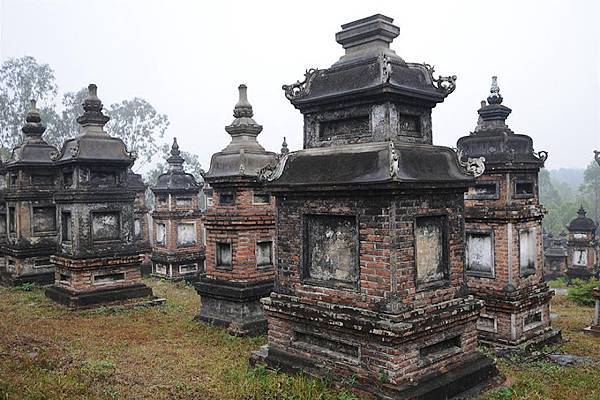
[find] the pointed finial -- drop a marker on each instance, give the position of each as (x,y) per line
(175,161)
(284,147)
(92,109)
(33,122)
(243,108)
(175,148)
(581,212)
(495,97)
(243,124)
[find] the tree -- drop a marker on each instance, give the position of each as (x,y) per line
(139,125)
(590,188)
(548,193)
(135,121)
(192,165)
(23,79)
(64,126)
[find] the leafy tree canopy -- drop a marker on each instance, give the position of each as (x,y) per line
(22,79)
(135,121)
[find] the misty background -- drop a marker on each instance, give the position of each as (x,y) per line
(187,58)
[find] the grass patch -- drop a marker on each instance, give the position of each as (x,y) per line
(47,352)
(581,291)
(558,283)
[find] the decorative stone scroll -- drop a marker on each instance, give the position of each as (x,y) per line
(474,166)
(299,89)
(446,84)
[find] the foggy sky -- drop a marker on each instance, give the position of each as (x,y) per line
(188,57)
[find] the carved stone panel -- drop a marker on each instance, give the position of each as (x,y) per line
(106,225)
(409,125)
(527,251)
(102,179)
(580,257)
(484,190)
(480,254)
(352,126)
(137,229)
(161,232)
(44,219)
(224,256)
(186,234)
(331,250)
(264,253)
(431,250)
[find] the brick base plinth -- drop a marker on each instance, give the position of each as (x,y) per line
(146,268)
(420,354)
(521,318)
(471,376)
(579,272)
(234,306)
(98,297)
(89,282)
(46,278)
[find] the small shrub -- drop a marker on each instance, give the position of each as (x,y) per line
(580,292)
(24,287)
(558,283)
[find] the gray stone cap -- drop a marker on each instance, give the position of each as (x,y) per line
(494,140)
(243,156)
(176,179)
(33,150)
(370,71)
(135,181)
(369,164)
(370,35)
(94,144)
(582,223)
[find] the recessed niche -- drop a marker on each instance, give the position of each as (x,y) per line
(331,250)
(480,254)
(106,225)
(431,250)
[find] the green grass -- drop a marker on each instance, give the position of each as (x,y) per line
(47,352)
(558,283)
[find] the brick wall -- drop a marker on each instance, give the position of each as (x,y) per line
(387,255)
(241,224)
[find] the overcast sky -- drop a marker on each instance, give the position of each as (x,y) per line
(188,57)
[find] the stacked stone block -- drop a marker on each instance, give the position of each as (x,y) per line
(31,218)
(240,230)
(178,249)
(97,260)
(503,224)
(370,286)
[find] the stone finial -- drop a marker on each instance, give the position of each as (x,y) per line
(33,127)
(175,161)
(243,108)
(243,124)
(284,147)
(581,212)
(376,31)
(92,107)
(495,97)
(494,113)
